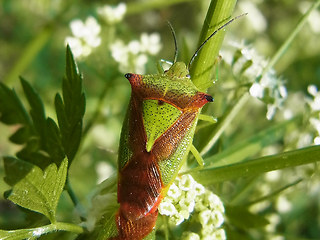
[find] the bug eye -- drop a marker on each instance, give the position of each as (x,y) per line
(188,76)
(128,75)
(209,98)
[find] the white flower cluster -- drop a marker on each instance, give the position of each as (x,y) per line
(186,196)
(250,65)
(85,36)
(133,57)
(112,14)
(315,111)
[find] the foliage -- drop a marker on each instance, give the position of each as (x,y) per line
(53,145)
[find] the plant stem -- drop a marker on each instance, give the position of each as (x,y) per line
(275,193)
(33,233)
(74,199)
(201,69)
(69,227)
(257,166)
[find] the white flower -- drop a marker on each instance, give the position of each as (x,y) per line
(271,110)
(283,91)
(141,61)
(219,234)
(199,189)
(150,43)
(186,196)
(273,176)
(112,14)
(204,217)
(256,90)
(315,103)
(134,47)
(186,182)
(119,51)
(167,208)
(104,170)
(133,57)
(77,47)
(315,122)
(190,236)
(245,62)
(176,219)
(274,220)
(174,192)
(217,218)
(283,205)
(213,201)
(312,89)
(85,36)
(187,204)
(85,29)
(316,140)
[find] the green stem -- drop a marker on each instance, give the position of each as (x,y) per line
(275,193)
(32,233)
(257,166)
(69,227)
(74,199)
(276,57)
(201,69)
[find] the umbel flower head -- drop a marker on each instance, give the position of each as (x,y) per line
(85,36)
(185,197)
(248,64)
(133,56)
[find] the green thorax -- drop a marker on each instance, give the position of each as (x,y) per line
(160,112)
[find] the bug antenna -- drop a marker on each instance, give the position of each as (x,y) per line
(175,43)
(212,34)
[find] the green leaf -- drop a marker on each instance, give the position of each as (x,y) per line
(55,148)
(15,170)
(35,134)
(210,175)
(71,108)
(21,136)
(37,111)
(40,191)
(12,110)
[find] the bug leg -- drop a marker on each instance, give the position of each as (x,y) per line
(207,118)
(197,156)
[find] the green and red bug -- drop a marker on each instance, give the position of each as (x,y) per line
(156,138)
